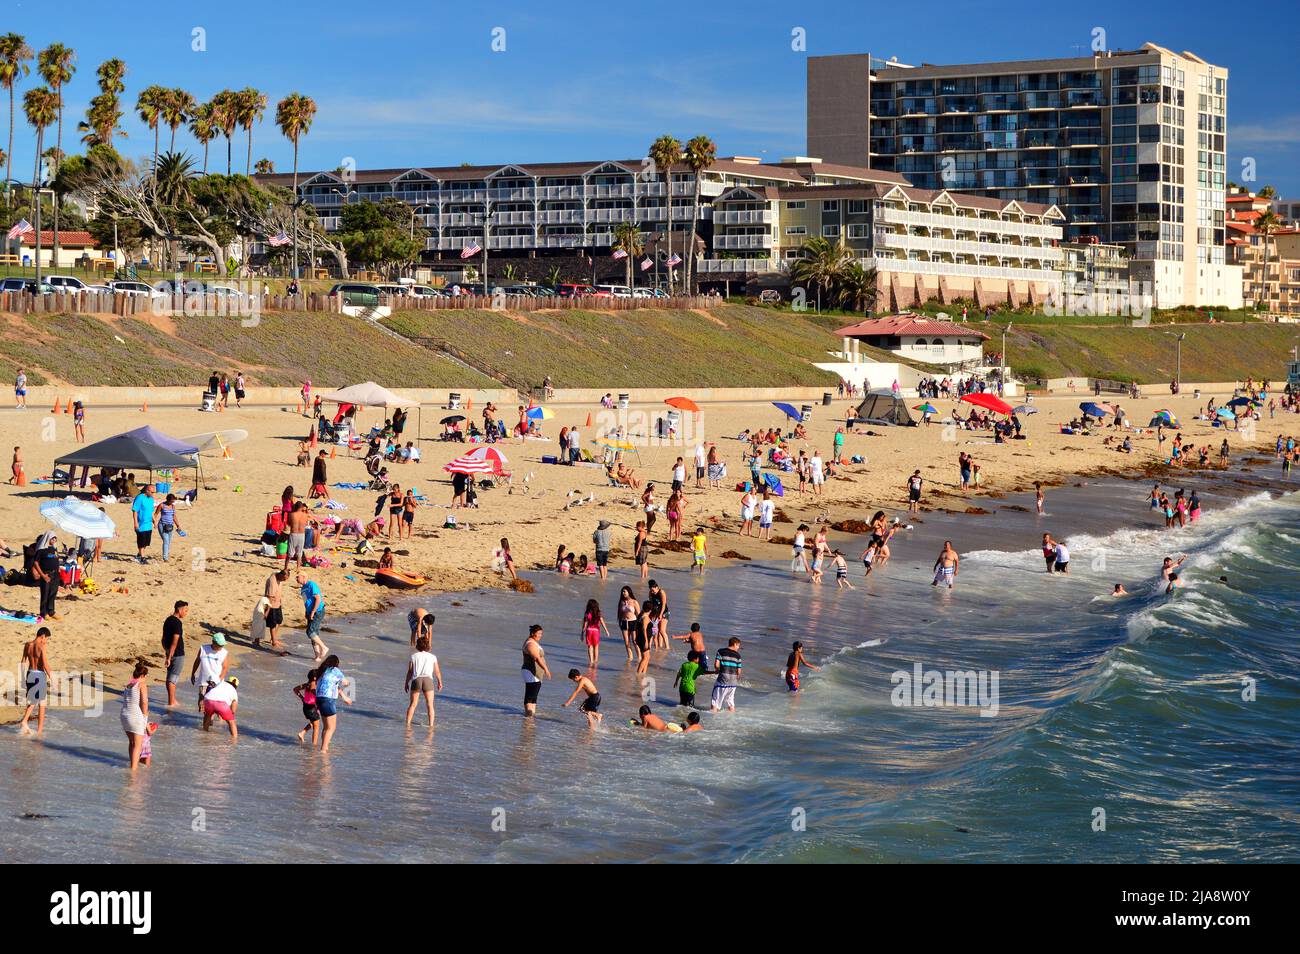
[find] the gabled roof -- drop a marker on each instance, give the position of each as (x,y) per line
(908,323)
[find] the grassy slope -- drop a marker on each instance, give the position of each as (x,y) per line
(1219,352)
(729,346)
(280,351)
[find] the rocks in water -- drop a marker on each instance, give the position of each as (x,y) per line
(522,586)
(733,555)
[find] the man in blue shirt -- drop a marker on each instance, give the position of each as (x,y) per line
(142,508)
(313,601)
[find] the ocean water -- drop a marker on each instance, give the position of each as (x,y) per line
(1172,719)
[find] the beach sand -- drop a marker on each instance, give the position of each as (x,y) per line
(219,570)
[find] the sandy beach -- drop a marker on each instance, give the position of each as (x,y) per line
(219,570)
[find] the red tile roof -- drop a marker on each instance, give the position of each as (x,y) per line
(67,239)
(908,324)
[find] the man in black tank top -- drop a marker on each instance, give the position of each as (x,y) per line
(534,668)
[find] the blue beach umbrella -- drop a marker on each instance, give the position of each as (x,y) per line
(1240,402)
(1092,409)
(788,410)
(1224,412)
(774,484)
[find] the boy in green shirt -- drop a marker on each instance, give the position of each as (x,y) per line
(685,680)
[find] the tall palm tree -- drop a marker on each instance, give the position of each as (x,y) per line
(42,108)
(149,106)
(264,167)
(177,105)
(628,237)
(1266,224)
(699,155)
(56,65)
(14,54)
(666,153)
(105,113)
(225,116)
(294,115)
(250,106)
(203,129)
(855,290)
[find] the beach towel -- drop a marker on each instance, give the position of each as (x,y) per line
(350,485)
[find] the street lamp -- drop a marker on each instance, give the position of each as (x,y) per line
(1178,368)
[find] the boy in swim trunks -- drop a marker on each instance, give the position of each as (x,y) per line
(792,664)
(591,705)
(841,571)
(685,679)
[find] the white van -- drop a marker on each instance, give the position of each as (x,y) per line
(66,283)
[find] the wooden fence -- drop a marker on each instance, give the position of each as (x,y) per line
(121,303)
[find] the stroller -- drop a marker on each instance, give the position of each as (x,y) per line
(378,473)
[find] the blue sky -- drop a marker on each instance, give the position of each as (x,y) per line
(404,83)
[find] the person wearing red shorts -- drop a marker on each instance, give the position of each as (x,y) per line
(222,701)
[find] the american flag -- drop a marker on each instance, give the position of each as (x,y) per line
(646,263)
(21,228)
(619,253)
(278,239)
(470,250)
(673,259)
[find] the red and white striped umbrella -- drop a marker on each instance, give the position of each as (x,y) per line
(481,460)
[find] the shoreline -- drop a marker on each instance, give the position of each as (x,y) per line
(457,561)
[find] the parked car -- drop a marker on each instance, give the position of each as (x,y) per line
(65,283)
(26,285)
(356,293)
(616,291)
(642,293)
(393,289)
(183,286)
(424,291)
(139,289)
(572,290)
(224,291)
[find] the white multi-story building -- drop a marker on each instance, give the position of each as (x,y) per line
(1131,145)
(924,244)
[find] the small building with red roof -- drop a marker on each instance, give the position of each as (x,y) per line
(916,337)
(74,244)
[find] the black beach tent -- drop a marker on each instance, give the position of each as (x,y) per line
(124,453)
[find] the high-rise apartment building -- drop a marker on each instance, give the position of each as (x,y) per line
(1130,145)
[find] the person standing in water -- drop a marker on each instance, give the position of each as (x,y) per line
(36,680)
(329,683)
(422,674)
(591,705)
(534,669)
(945,567)
(592,624)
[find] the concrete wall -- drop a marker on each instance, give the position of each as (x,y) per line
(44,396)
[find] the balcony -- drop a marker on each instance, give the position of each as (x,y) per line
(560,217)
(715,266)
(922,243)
(911,267)
(935,220)
(756,217)
(742,241)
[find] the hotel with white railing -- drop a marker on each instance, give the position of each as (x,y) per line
(554,209)
(923,244)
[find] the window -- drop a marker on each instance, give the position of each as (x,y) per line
(797,204)
(830,231)
(857,206)
(796,230)
(831,205)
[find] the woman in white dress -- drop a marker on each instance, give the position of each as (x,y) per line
(135,712)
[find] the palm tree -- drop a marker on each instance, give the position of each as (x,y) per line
(14,54)
(250,106)
(666,153)
(264,167)
(177,105)
(822,263)
(699,155)
(628,237)
(1267,224)
(104,115)
(856,288)
(56,67)
(225,116)
(1268,192)
(42,108)
(149,106)
(293,115)
(203,129)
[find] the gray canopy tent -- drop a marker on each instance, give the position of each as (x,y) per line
(124,452)
(881,407)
